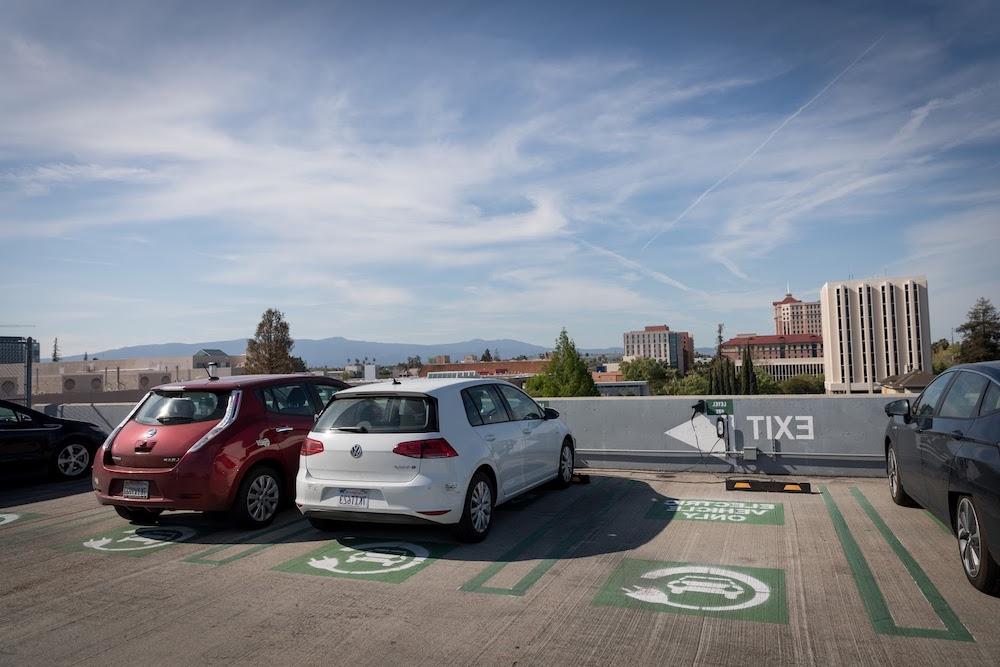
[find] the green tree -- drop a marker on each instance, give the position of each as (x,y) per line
(566,373)
(55,351)
(981,333)
(414,362)
(765,383)
(802,384)
(692,384)
(644,369)
(269,351)
(486,356)
(748,379)
(86,356)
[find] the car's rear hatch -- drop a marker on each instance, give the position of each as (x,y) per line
(166,426)
(359,434)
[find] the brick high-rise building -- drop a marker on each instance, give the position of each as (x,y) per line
(792,316)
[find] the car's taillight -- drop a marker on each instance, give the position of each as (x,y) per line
(310,447)
(435,448)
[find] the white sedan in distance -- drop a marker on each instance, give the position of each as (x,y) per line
(446,451)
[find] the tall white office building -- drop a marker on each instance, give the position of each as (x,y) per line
(873,329)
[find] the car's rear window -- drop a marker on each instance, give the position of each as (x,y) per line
(379,414)
(182,407)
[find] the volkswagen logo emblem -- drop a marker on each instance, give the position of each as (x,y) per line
(356,451)
(150,433)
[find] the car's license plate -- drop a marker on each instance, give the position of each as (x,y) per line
(133,489)
(356,498)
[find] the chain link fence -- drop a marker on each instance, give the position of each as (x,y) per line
(18,357)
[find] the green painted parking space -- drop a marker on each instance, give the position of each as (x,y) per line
(722,511)
(697,589)
(134,542)
(874,601)
(479,583)
(252,544)
(377,559)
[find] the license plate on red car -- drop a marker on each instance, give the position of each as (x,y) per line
(135,489)
(356,498)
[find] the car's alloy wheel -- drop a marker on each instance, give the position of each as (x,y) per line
(970,544)
(896,488)
(566,462)
(262,498)
(72,460)
(981,567)
(481,506)
(477,512)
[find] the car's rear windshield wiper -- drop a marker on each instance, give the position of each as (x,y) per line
(174,420)
(352,429)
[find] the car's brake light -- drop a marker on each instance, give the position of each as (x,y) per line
(310,447)
(435,448)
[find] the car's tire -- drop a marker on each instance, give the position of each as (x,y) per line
(564,473)
(139,515)
(258,499)
(71,460)
(980,566)
(325,525)
(478,510)
(896,490)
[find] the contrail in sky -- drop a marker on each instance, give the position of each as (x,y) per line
(762,144)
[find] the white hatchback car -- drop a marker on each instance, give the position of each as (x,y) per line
(444,451)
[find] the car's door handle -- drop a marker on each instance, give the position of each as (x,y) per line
(284,429)
(958,435)
(489,438)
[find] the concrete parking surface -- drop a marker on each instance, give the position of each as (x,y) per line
(632,568)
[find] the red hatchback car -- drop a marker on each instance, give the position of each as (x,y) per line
(224,444)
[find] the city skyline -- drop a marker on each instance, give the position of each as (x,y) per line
(440,174)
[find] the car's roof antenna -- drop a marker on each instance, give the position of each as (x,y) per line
(213,370)
(396,381)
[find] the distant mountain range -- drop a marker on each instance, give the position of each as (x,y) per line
(337,351)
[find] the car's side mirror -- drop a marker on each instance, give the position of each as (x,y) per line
(551,414)
(900,408)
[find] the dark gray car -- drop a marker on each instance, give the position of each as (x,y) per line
(943,452)
(31,439)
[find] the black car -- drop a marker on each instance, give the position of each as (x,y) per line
(943,452)
(30,438)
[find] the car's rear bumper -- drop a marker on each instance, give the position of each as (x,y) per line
(421,499)
(177,488)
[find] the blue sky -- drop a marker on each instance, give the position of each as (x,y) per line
(407,173)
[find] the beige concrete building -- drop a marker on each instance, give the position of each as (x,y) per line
(676,348)
(792,317)
(873,329)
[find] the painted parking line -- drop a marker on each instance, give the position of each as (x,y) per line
(274,536)
(698,589)
(8,519)
(725,511)
(134,542)
(871,595)
(370,558)
(941,524)
(478,583)
(41,526)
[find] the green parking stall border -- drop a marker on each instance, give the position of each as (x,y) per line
(757,594)
(871,595)
(477,584)
(941,524)
(335,559)
(41,526)
(773,515)
(204,557)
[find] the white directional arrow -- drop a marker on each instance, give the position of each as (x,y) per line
(700,434)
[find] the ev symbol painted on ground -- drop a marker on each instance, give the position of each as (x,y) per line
(372,558)
(139,541)
(367,558)
(756,594)
(8,518)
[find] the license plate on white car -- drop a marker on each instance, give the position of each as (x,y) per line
(133,489)
(353,498)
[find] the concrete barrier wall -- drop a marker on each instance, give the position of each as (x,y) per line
(819,435)
(811,435)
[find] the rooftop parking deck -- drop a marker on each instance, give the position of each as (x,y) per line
(630,568)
